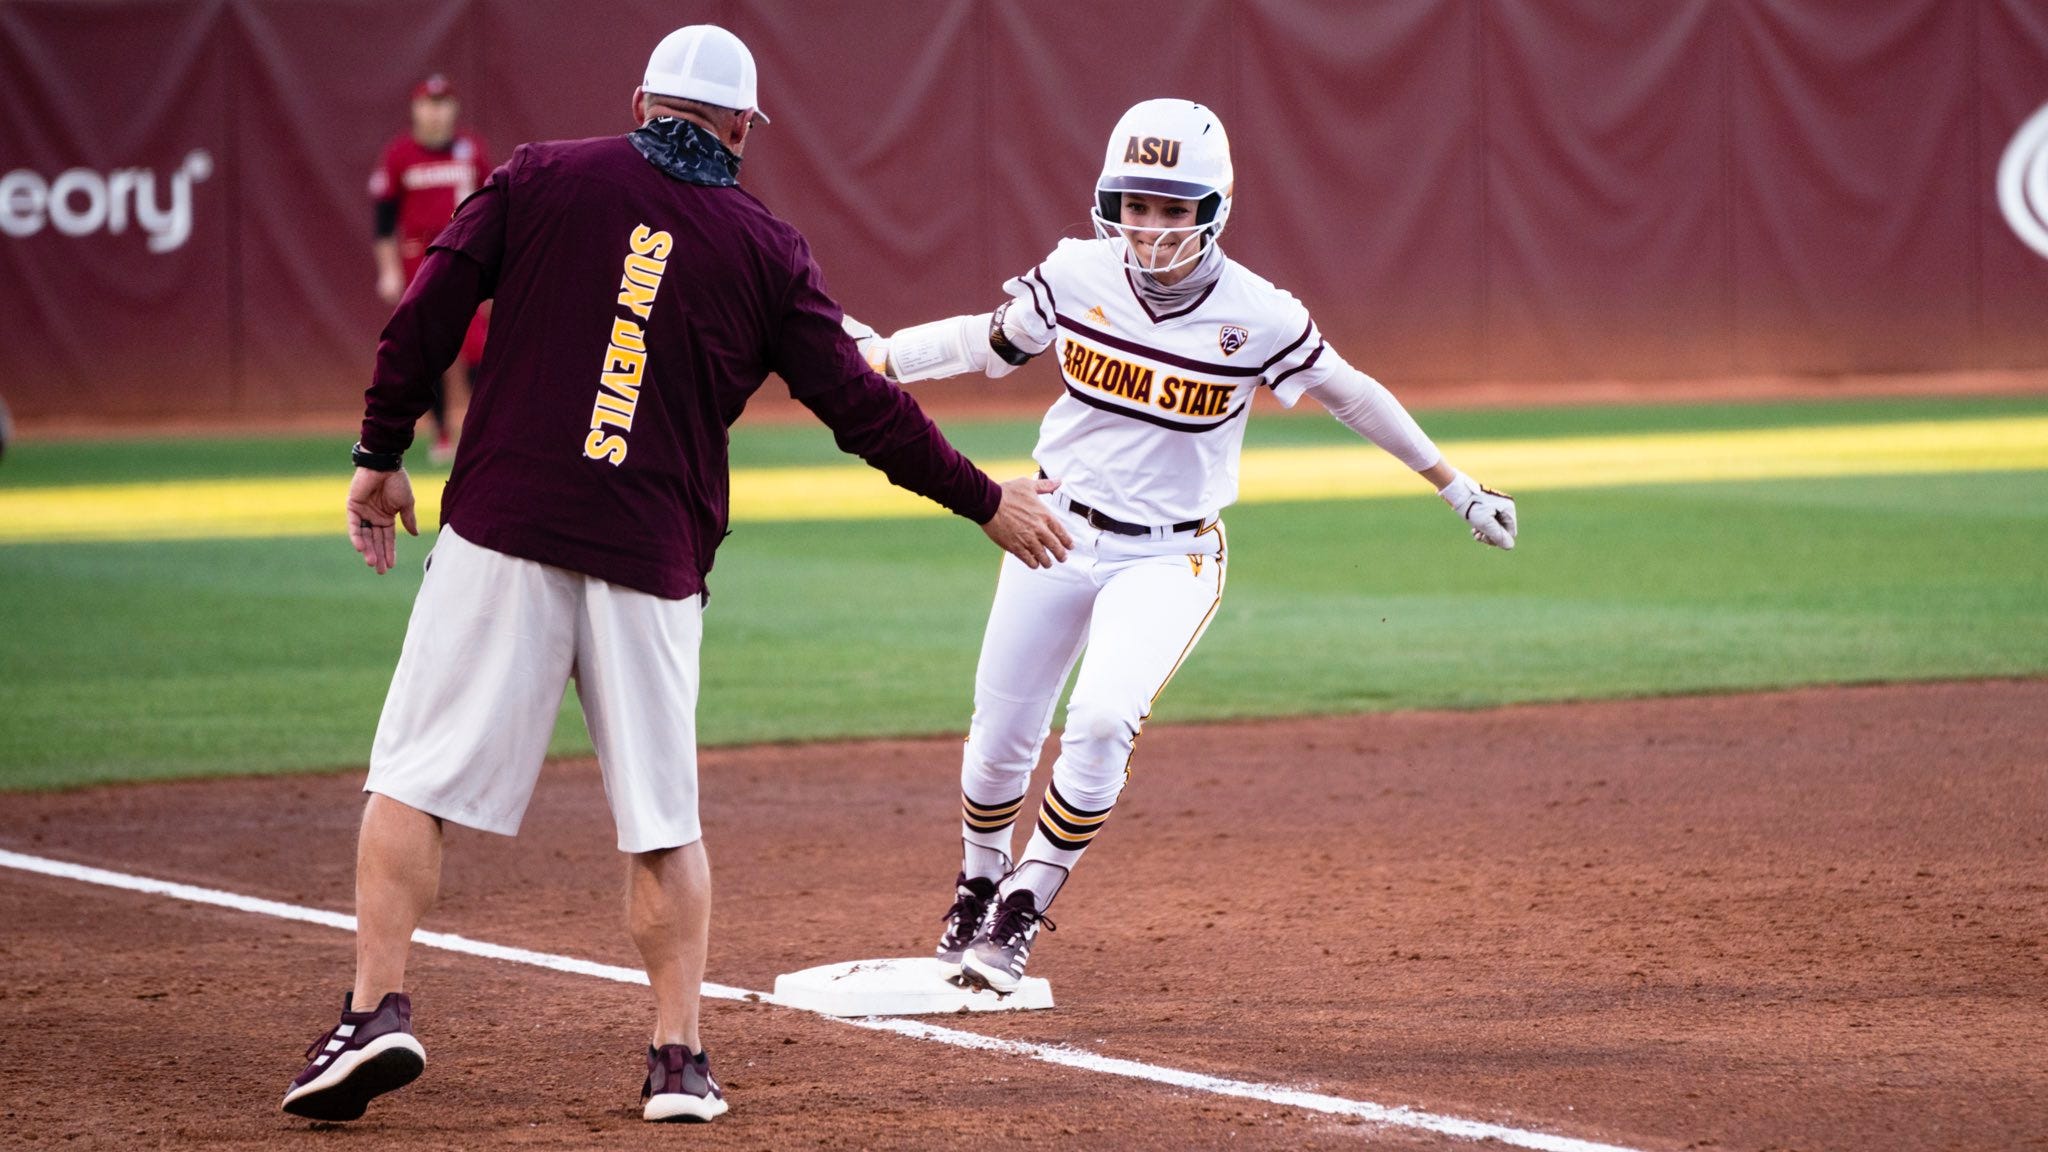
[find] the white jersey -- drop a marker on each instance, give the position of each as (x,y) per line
(1151,425)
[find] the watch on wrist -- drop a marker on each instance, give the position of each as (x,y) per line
(376,461)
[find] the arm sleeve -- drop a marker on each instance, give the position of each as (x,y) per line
(425,333)
(945,348)
(384,192)
(869,417)
(1364,405)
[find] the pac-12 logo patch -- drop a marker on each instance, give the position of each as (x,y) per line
(1231,338)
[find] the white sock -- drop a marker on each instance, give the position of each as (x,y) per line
(1041,877)
(983,862)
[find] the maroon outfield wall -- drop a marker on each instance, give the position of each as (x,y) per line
(1461,189)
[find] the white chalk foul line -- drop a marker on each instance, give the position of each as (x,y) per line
(1054,1054)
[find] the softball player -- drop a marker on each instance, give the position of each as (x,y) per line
(1161,341)
(422,175)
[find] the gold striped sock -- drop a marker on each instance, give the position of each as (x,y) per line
(989,817)
(1068,827)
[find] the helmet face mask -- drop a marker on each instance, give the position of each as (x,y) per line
(1164,246)
(1171,149)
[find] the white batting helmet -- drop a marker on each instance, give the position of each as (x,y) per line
(1171,148)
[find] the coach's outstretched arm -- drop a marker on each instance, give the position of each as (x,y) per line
(879,422)
(1364,405)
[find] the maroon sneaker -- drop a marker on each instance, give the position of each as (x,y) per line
(679,1086)
(364,1056)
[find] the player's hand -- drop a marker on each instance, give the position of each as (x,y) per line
(390,286)
(1491,514)
(377,502)
(875,350)
(874,347)
(1025,528)
(1020,328)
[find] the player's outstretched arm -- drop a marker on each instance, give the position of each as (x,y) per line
(1490,514)
(992,343)
(1364,405)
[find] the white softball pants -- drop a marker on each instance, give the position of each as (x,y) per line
(1137,606)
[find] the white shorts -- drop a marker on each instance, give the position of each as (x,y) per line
(492,644)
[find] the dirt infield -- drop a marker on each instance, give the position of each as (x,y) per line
(1805,920)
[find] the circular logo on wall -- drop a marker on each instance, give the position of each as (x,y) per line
(2023,182)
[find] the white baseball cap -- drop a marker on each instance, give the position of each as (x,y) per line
(704,62)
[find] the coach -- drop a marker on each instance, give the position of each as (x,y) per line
(640,299)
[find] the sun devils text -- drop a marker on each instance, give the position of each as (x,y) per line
(625,358)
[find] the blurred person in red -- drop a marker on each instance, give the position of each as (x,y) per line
(423,174)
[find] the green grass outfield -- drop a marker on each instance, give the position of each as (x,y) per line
(139,660)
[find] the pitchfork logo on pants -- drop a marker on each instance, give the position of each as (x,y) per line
(2023,182)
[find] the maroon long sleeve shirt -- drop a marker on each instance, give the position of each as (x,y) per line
(635,314)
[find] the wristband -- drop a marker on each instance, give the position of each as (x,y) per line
(999,340)
(376,461)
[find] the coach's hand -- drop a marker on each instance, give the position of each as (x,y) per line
(1025,528)
(377,501)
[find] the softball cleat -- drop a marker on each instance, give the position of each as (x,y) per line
(964,920)
(996,958)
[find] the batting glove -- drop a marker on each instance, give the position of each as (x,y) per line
(1491,514)
(1020,329)
(874,348)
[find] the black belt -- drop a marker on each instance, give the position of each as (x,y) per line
(1112,524)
